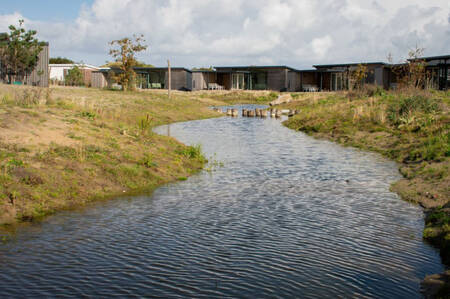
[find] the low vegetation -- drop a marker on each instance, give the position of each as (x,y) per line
(239,97)
(409,126)
(64,147)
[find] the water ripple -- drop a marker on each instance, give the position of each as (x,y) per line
(287,216)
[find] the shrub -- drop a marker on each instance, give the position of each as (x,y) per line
(192,152)
(74,77)
(147,161)
(403,109)
(29,97)
(88,114)
(145,123)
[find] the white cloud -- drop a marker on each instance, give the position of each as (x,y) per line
(320,46)
(299,33)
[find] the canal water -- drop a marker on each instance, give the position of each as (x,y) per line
(285,216)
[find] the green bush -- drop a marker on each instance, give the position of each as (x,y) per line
(400,111)
(74,77)
(147,161)
(88,114)
(192,152)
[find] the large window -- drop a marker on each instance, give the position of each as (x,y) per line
(238,81)
(259,80)
(157,79)
(336,81)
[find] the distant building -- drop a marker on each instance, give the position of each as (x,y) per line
(279,78)
(438,68)
(58,72)
(338,76)
(148,78)
(325,77)
(38,77)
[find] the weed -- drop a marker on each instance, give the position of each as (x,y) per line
(15,163)
(144,123)
(147,161)
(401,112)
(192,152)
(88,114)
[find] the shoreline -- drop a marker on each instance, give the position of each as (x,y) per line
(66,147)
(321,118)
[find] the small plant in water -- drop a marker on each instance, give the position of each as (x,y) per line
(213,164)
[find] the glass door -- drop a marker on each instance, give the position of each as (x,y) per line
(238,81)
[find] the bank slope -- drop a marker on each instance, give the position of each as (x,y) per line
(63,147)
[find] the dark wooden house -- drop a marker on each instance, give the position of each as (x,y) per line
(438,71)
(277,78)
(334,77)
(148,78)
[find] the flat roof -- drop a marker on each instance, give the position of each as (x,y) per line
(308,71)
(203,71)
(140,68)
(346,64)
(256,67)
(105,70)
(444,57)
(73,64)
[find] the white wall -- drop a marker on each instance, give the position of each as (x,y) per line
(57,70)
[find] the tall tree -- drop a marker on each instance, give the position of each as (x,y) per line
(60,60)
(124,53)
(19,52)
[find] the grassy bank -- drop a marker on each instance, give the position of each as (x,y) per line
(410,127)
(261,97)
(63,147)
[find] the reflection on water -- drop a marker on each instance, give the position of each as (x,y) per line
(286,216)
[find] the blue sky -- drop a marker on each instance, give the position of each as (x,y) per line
(201,33)
(50,10)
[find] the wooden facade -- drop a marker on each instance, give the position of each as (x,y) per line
(39,76)
(331,77)
(147,78)
(277,78)
(204,79)
(335,77)
(99,79)
(438,71)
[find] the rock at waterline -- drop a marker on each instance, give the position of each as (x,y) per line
(285,98)
(432,284)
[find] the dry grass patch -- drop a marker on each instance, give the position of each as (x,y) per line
(63,147)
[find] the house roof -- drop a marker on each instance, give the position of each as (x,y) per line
(250,67)
(203,71)
(80,65)
(161,69)
(308,71)
(143,69)
(441,57)
(347,64)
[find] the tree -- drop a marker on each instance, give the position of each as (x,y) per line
(124,52)
(412,73)
(416,67)
(359,75)
(19,51)
(60,60)
(74,77)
